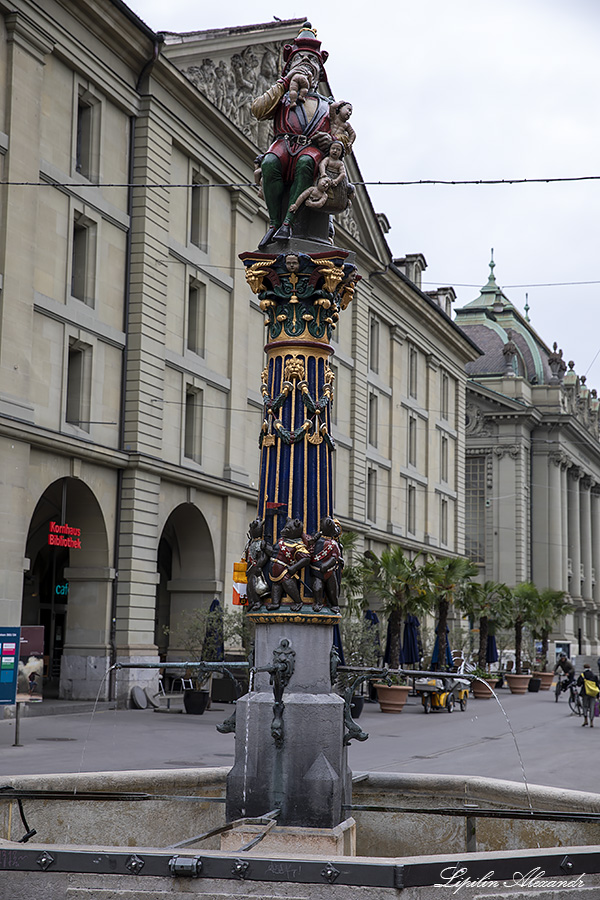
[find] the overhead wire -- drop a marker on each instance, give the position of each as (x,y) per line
(228,184)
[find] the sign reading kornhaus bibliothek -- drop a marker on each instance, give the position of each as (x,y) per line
(64,536)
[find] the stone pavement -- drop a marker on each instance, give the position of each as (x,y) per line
(553,746)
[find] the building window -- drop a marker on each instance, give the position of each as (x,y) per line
(199,211)
(83,259)
(412,441)
(372,495)
(444,522)
(373,419)
(196,316)
(445,396)
(374,345)
(79,382)
(475,508)
(412,372)
(87,138)
(411,510)
(192,442)
(444,459)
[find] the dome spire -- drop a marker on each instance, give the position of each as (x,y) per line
(491,285)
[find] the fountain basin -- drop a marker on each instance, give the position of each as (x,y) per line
(164,819)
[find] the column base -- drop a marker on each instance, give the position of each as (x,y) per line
(285,841)
(306,777)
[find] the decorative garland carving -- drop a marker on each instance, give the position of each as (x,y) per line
(300,294)
(512,450)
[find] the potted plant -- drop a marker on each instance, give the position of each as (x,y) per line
(548,607)
(446,579)
(398,582)
(481,686)
(201,638)
(362,648)
(480,601)
(517,608)
(392,696)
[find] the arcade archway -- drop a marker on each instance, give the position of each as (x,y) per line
(186,569)
(67,547)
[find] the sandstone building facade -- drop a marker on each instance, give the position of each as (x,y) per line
(131,347)
(532,486)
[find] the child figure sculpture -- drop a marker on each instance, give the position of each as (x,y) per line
(339,114)
(291,554)
(315,197)
(332,165)
(326,564)
(257,556)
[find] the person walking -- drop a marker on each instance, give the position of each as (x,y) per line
(589,689)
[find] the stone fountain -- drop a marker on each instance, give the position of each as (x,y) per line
(290,748)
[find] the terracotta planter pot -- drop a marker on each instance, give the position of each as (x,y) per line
(518,684)
(392,697)
(546,678)
(482,690)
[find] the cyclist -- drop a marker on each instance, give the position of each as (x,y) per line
(567,667)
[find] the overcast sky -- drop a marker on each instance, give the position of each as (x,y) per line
(459,91)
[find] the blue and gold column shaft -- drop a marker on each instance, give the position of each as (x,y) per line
(301,295)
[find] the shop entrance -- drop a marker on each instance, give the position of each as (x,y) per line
(64,532)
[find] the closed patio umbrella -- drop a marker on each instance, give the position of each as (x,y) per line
(337,643)
(491,651)
(410,644)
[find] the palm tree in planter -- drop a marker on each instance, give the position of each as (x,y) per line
(352,588)
(517,608)
(548,607)
(482,602)
(446,579)
(397,580)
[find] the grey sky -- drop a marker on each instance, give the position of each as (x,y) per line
(467,90)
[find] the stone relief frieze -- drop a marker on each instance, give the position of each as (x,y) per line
(475,423)
(232,83)
(346,220)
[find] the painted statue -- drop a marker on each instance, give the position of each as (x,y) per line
(315,197)
(257,556)
(301,118)
(339,114)
(290,554)
(332,165)
(326,565)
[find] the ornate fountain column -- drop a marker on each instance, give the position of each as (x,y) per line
(291,729)
(301,295)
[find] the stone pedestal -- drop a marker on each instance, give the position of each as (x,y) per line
(305,774)
(338,841)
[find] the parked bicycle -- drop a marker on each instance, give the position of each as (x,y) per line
(566,685)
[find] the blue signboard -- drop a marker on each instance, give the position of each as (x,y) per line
(9,664)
